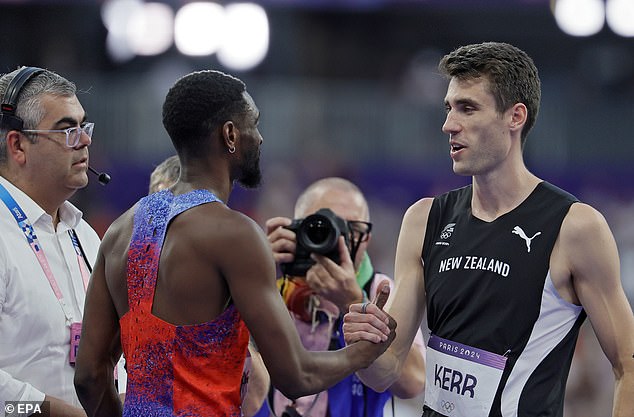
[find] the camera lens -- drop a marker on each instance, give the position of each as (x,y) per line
(318,234)
(318,231)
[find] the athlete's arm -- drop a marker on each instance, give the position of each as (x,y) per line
(411,382)
(592,258)
(406,305)
(100,346)
(246,263)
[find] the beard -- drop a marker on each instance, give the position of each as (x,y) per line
(251,173)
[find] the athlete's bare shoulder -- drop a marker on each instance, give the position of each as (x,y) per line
(581,220)
(117,237)
(418,213)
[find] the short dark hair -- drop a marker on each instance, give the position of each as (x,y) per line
(199,103)
(29,104)
(512,75)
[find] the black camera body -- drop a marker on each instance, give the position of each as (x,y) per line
(316,233)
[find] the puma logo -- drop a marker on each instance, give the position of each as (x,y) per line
(518,231)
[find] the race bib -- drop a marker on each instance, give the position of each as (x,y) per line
(461,380)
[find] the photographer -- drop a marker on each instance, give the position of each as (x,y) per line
(318,288)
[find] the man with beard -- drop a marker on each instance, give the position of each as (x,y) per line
(181,279)
(256,377)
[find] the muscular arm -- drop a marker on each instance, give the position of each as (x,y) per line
(293,370)
(591,257)
(100,347)
(411,382)
(406,305)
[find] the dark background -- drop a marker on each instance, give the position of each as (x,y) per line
(350,88)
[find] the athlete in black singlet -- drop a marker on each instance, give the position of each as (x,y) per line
(507,268)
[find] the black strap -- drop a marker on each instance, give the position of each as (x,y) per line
(81,249)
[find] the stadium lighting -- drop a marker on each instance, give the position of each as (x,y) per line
(150,29)
(580,17)
(620,17)
(199,28)
(247,40)
(115,15)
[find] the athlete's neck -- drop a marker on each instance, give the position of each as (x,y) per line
(493,198)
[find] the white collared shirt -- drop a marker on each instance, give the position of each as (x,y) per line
(34,333)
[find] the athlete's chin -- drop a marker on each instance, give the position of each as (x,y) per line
(460,169)
(251,181)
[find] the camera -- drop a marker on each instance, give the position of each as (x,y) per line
(317,233)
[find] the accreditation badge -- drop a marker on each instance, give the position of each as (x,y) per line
(461,380)
(75,336)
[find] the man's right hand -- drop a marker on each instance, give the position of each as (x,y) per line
(282,240)
(368,321)
(377,326)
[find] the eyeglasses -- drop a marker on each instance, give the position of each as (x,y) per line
(359,230)
(73,134)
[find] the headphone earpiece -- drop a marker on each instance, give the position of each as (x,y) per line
(8,119)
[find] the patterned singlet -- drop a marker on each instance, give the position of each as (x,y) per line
(191,370)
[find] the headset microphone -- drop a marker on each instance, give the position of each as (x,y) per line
(102,177)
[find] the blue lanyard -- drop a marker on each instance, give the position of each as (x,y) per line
(31,238)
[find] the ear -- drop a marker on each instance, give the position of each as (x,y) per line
(230,135)
(16,142)
(518,114)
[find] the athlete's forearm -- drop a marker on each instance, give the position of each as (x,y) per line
(624,395)
(382,373)
(96,392)
(411,381)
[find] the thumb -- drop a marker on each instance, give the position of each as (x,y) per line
(382,294)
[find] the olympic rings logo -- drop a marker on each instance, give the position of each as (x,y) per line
(447,406)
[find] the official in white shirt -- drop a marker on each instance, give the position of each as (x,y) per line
(44,139)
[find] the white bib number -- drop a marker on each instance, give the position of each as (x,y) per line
(461,380)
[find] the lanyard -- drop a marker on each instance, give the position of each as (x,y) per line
(32,240)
